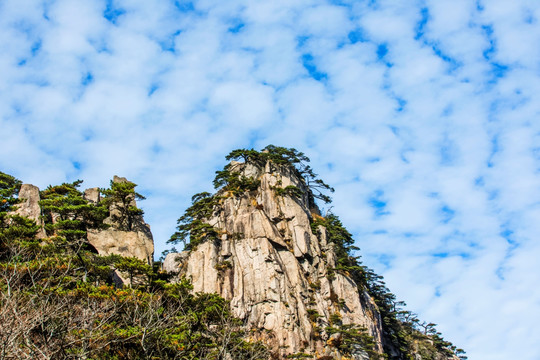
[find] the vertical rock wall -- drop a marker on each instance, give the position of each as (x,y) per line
(274,270)
(29,206)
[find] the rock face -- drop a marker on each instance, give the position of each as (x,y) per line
(126,243)
(137,243)
(29,207)
(275,270)
(92,195)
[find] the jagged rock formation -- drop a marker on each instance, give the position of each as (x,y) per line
(136,242)
(275,271)
(29,206)
(259,242)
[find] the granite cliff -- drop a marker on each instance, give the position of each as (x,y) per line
(274,269)
(261,243)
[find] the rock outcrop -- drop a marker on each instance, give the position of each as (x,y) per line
(134,242)
(29,206)
(276,273)
(137,242)
(126,243)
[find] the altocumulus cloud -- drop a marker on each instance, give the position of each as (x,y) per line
(422,114)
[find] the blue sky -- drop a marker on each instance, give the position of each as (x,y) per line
(422,114)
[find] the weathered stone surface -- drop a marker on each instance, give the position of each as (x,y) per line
(92,195)
(126,243)
(172,262)
(273,269)
(119,179)
(29,207)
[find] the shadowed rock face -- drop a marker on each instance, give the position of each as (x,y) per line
(274,270)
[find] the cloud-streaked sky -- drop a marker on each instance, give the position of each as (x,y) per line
(422,114)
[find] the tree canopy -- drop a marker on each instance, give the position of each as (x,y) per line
(58,301)
(120,198)
(278,155)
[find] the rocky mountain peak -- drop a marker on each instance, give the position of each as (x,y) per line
(289,273)
(275,266)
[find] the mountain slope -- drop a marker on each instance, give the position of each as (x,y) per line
(288,272)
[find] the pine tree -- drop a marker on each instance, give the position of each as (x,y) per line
(120,198)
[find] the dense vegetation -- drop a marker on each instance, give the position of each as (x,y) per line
(58,299)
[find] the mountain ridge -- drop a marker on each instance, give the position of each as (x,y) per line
(263,274)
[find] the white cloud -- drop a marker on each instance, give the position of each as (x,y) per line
(429,108)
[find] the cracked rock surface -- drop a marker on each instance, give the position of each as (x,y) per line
(274,270)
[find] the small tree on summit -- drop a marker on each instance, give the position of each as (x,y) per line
(280,156)
(120,198)
(66,213)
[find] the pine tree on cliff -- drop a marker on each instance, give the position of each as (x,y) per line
(9,189)
(289,157)
(121,197)
(68,214)
(12,226)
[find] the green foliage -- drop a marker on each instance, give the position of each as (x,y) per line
(354,338)
(66,213)
(56,303)
(12,226)
(313,315)
(121,197)
(134,267)
(9,189)
(335,319)
(299,355)
(339,236)
(17,227)
(281,156)
(402,329)
(234,182)
(277,154)
(191,229)
(289,190)
(223,265)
